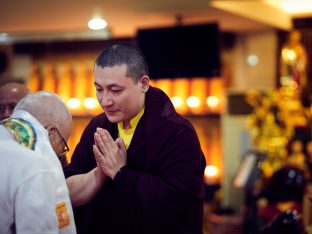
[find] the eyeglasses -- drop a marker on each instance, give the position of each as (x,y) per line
(66,148)
(7,106)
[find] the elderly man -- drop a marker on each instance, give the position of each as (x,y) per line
(10,94)
(33,191)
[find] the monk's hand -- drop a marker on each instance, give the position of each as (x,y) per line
(110,155)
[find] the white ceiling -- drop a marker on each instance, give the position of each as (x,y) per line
(36,18)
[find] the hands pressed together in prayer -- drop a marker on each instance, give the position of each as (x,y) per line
(110,155)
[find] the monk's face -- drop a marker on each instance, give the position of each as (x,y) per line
(119,95)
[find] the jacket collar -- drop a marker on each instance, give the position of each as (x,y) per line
(157,107)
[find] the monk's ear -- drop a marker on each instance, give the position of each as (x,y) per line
(144,82)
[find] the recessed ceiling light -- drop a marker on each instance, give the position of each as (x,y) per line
(252,60)
(3,37)
(292,6)
(297,7)
(97,24)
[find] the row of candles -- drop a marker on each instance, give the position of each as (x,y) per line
(74,83)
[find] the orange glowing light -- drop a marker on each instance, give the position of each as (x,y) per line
(212,101)
(90,103)
(177,101)
(193,102)
(73,103)
(212,174)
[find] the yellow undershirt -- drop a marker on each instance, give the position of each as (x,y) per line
(127,134)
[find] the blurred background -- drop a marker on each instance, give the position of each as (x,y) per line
(240,71)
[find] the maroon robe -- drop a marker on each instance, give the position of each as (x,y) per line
(160,190)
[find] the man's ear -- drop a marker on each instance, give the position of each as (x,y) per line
(51,131)
(49,128)
(144,81)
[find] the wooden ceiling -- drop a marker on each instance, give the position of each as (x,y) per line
(35,18)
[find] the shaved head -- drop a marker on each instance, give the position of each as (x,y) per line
(10,94)
(47,108)
(51,111)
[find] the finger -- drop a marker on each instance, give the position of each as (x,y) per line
(100,161)
(96,153)
(121,145)
(108,135)
(102,136)
(105,149)
(111,140)
(107,139)
(99,158)
(101,146)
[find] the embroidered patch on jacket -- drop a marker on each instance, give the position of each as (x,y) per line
(22,131)
(62,214)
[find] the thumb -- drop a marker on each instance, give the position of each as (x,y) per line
(121,145)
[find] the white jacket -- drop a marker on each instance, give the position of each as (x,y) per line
(42,147)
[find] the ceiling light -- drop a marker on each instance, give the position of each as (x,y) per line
(296,7)
(252,60)
(292,6)
(97,23)
(3,37)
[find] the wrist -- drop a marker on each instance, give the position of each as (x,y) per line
(120,170)
(99,175)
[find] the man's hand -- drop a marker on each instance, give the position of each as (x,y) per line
(98,171)
(110,155)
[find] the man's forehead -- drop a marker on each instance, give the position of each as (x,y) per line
(123,68)
(13,95)
(8,101)
(13,91)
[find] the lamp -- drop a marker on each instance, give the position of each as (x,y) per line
(97,22)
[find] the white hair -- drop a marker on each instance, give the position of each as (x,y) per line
(47,108)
